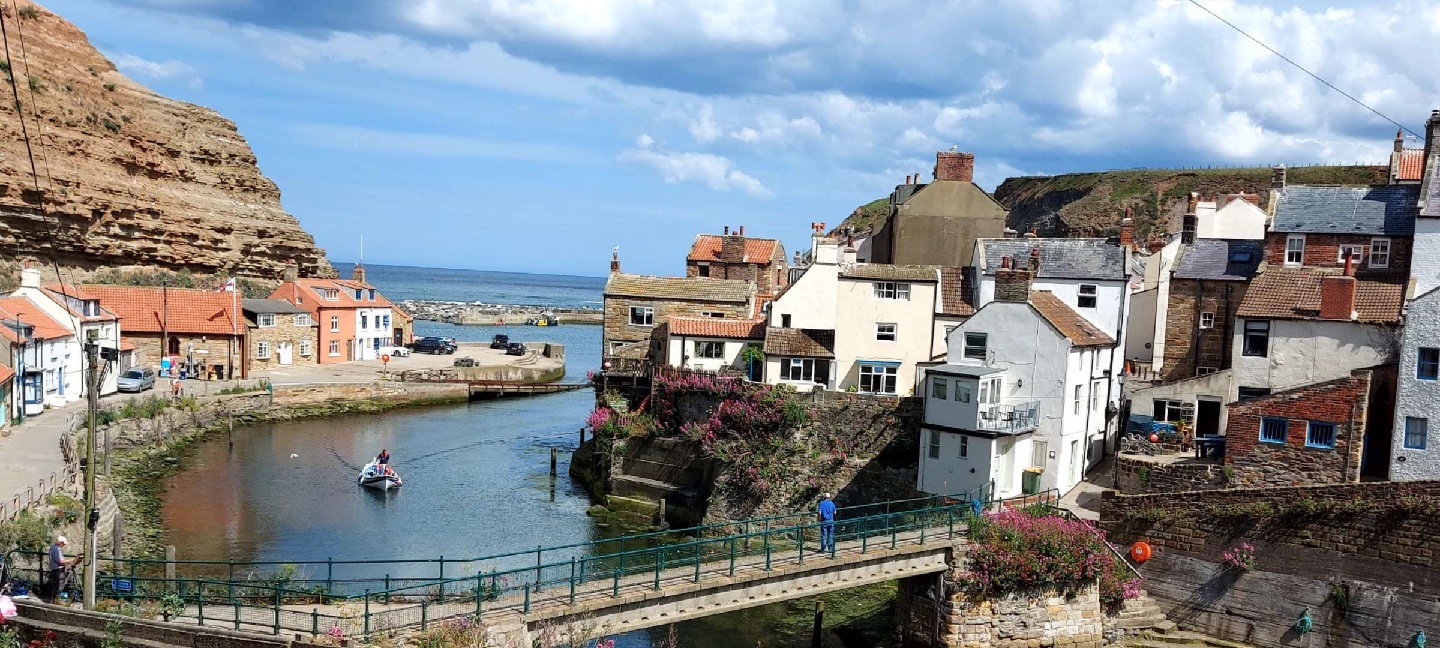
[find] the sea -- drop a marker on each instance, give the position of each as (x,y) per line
(399,283)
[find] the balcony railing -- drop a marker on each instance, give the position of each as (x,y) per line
(1009,419)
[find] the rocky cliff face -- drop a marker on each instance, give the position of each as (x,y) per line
(128,178)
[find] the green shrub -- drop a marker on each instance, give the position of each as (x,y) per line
(27,531)
(70,509)
(35,83)
(109,87)
(29,12)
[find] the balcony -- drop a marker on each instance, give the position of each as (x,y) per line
(1009,419)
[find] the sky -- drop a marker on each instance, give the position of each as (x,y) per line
(535,135)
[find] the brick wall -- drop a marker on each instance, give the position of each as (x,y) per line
(1379,542)
(1344,402)
(763,274)
(1139,474)
(1323,251)
(1187,346)
(617,315)
(284,330)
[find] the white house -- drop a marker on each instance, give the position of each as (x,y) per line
(1232,216)
(41,354)
(81,314)
(1425,260)
(372,329)
(1412,455)
(853,326)
(714,344)
(1033,391)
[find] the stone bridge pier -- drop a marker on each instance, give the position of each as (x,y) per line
(932,611)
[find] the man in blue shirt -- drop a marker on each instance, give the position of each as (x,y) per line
(59,567)
(827,524)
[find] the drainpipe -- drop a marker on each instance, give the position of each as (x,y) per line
(1229,321)
(1195,332)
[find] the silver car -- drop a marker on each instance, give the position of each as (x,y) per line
(136,380)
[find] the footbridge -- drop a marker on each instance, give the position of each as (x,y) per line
(589,589)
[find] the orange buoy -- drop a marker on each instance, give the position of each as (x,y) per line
(1140,551)
(1154,438)
(385,357)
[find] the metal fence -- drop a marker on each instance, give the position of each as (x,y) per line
(63,480)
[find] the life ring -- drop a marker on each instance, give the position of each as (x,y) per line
(1140,551)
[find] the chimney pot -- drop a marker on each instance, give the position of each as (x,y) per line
(907,180)
(727,230)
(742,230)
(1399,140)
(1035,260)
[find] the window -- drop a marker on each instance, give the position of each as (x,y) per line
(1095,397)
(975,346)
(964,447)
(332,294)
(1207,320)
(1380,253)
(305,349)
(1350,251)
(702,269)
(1274,430)
(962,393)
(359,294)
(1078,398)
(1257,338)
(1205,371)
(892,290)
(334,348)
(642,316)
(303,319)
(885,332)
(1252,393)
(364,321)
(1087,296)
(262,350)
(984,391)
(1428,364)
(1295,249)
(934,444)
(711,314)
(1240,256)
(1171,411)
(939,388)
(805,370)
(265,320)
(371,294)
(385,320)
(708,349)
(1415,432)
(950,329)
(334,323)
(785,321)
(1320,435)
(878,379)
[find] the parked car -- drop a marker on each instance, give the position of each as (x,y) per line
(136,380)
(515,348)
(393,351)
(433,345)
(500,342)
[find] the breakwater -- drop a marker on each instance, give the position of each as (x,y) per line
(476,313)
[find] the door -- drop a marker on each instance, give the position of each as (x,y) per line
(282,352)
(1076,461)
(1007,467)
(1207,418)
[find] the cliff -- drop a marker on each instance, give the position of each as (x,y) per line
(129,179)
(1092,204)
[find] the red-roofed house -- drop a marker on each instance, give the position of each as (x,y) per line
(714,344)
(199,330)
(1407,165)
(41,351)
(735,256)
(81,314)
(354,319)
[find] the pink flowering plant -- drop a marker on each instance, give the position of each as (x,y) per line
(1026,552)
(1240,557)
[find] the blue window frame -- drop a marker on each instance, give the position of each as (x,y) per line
(1428,364)
(1415,432)
(1320,435)
(1274,430)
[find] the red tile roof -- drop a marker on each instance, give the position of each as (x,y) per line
(46,328)
(1294,293)
(1080,331)
(718,327)
(127,344)
(757,250)
(312,291)
(6,373)
(1411,164)
(179,310)
(955,293)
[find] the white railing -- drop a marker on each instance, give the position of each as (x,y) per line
(1009,418)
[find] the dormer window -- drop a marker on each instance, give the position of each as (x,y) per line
(331,294)
(91,308)
(372,294)
(358,293)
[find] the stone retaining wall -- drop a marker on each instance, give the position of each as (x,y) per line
(78,627)
(385,392)
(1013,621)
(1136,474)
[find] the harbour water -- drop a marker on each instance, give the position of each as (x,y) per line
(476,482)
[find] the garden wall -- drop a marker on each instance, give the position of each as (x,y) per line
(1361,558)
(1139,474)
(1013,621)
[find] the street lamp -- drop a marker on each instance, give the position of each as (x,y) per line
(19,362)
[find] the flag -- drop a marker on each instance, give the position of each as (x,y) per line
(229,286)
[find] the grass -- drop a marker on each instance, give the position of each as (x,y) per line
(29,12)
(35,84)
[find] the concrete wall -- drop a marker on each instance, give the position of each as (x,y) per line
(1425,265)
(810,301)
(1373,542)
(1304,351)
(1418,398)
(1216,387)
(1237,220)
(951,474)
(855,331)
(1140,329)
(943,326)
(939,225)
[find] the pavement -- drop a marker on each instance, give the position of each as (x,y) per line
(1084,499)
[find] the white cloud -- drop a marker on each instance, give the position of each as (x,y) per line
(703,128)
(141,68)
(713,171)
(352,138)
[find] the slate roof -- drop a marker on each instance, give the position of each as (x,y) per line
(757,250)
(1069,323)
(889,272)
(1221,259)
(276,306)
(1294,294)
(1060,258)
(189,311)
(1388,210)
(955,291)
(718,327)
(805,343)
(1410,165)
(678,288)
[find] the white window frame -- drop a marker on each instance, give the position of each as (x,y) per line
(1038,450)
(1207,320)
(715,347)
(647,316)
(964,452)
(1375,253)
(305,349)
(983,347)
(1357,250)
(888,378)
(265,320)
(262,350)
(887,332)
(892,290)
(1298,254)
(1078,401)
(364,321)
(303,319)
(707,313)
(806,370)
(1088,292)
(1174,410)
(1095,396)
(334,348)
(334,323)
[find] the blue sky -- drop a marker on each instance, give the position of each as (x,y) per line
(534,135)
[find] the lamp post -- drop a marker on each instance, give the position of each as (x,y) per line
(20,367)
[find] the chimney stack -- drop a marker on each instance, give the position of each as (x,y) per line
(1033,233)
(1156,243)
(29,277)
(1010,233)
(954,165)
(1399,140)
(1277,176)
(1035,260)
(1337,294)
(1432,133)
(907,180)
(727,231)
(358,274)
(615,261)
(1012,284)
(1189,221)
(1127,230)
(292,270)
(742,230)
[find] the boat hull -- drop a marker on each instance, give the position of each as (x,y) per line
(372,477)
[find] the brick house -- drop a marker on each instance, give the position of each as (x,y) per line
(279,333)
(1315,434)
(735,256)
(199,329)
(354,320)
(637,305)
(1315,226)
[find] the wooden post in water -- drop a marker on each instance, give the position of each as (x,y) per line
(819,617)
(554,459)
(230,427)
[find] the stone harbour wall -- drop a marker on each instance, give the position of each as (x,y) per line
(1013,621)
(381,391)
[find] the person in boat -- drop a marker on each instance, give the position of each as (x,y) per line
(383,459)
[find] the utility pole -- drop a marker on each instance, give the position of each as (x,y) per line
(92,355)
